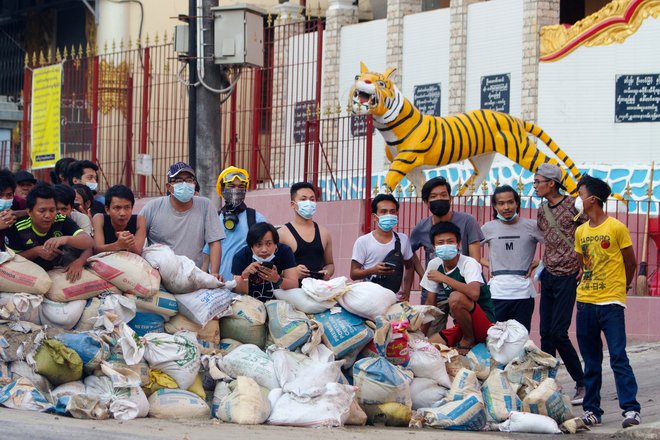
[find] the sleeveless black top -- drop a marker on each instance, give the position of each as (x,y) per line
(309,254)
(109,233)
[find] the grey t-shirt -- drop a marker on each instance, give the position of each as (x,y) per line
(185,232)
(470,233)
(511,247)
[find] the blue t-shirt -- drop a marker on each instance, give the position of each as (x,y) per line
(233,241)
(259,288)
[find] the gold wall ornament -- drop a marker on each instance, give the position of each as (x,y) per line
(614,23)
(113,81)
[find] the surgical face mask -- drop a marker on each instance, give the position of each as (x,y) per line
(439,207)
(579,204)
(183,191)
(262,260)
(5,204)
(446,252)
(233,196)
(507,220)
(387,222)
(306,209)
(92,185)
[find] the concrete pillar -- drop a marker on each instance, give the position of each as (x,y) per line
(396,10)
(536,14)
(114,24)
(458,19)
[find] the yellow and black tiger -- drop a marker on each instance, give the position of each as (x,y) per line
(416,141)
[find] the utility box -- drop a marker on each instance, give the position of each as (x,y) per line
(181,39)
(238,35)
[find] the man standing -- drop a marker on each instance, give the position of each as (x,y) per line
(384,256)
(561,271)
(183,222)
(235,217)
(512,244)
(310,242)
(608,264)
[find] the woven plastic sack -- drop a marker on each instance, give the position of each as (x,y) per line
(129,272)
(88,286)
(18,274)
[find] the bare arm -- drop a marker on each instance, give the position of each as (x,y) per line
(417,264)
(289,279)
(472,289)
(408,277)
(215,253)
(475,250)
(80,241)
(630,263)
(140,235)
(329,264)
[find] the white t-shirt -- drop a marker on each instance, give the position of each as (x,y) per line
(466,266)
(511,287)
(369,252)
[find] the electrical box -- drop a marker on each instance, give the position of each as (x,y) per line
(181,39)
(238,35)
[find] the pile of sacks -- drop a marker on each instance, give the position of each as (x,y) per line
(154,336)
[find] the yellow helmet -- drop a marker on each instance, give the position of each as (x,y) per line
(229,174)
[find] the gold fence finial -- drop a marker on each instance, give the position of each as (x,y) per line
(130,43)
(328,109)
(88,50)
(308,113)
(269,20)
(165,36)
(26,61)
(156,40)
(318,111)
(411,189)
(484,187)
(338,108)
(42,60)
(65,54)
(34,59)
(146,41)
(521,185)
(114,46)
(374,192)
(49,55)
(58,56)
(398,190)
(105,47)
(627,192)
(121,45)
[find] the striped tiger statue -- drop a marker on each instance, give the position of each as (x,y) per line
(416,142)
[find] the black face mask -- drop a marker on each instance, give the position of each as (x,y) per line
(439,207)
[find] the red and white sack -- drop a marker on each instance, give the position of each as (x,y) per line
(88,286)
(18,274)
(129,272)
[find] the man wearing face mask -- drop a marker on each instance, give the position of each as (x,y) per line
(184,222)
(512,244)
(311,243)
(558,218)
(384,256)
(85,172)
(235,217)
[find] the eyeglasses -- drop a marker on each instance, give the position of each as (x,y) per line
(538,182)
(235,175)
(188,180)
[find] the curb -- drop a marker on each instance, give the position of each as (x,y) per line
(650,431)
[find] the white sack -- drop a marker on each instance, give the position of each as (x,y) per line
(179,274)
(506,340)
(302,301)
(248,360)
(530,423)
(244,404)
(129,272)
(368,300)
(322,290)
(331,408)
(63,315)
(426,361)
(176,355)
(88,286)
(203,305)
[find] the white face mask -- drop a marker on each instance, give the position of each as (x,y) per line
(579,204)
(263,260)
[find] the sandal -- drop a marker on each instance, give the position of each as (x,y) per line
(463,350)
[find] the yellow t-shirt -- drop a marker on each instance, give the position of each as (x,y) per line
(604,278)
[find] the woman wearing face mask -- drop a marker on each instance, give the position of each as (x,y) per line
(264,264)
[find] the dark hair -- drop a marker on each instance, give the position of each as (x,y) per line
(429,185)
(121,192)
(40,191)
(504,189)
(61,167)
(64,194)
(7,180)
(77,169)
(301,185)
(383,198)
(257,232)
(443,227)
(596,187)
(84,191)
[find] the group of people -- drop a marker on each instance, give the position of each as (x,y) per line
(587,255)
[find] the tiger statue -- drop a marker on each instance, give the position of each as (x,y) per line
(416,141)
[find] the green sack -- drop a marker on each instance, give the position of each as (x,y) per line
(58,363)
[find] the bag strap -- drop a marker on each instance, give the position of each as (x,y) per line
(397,242)
(251,216)
(552,221)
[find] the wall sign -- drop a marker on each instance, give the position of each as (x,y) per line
(427,98)
(300,118)
(637,98)
(496,92)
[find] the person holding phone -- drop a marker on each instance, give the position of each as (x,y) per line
(264,264)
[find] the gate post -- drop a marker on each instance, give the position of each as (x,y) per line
(95,109)
(128,164)
(27,102)
(142,180)
(366,227)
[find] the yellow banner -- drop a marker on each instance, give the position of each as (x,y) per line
(45,117)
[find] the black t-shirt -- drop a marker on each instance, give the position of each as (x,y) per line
(109,233)
(22,236)
(257,287)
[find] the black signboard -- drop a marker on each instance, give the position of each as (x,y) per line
(496,92)
(359,125)
(637,98)
(427,98)
(301,110)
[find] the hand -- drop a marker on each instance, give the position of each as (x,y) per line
(125,240)
(436,276)
(382,269)
(74,271)
(218,277)
(403,296)
(269,274)
(250,270)
(7,219)
(48,255)
(532,268)
(55,242)
(303,272)
(326,274)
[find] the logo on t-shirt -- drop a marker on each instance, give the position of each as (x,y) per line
(605,244)
(57,234)
(29,241)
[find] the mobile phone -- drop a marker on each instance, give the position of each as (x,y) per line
(390,265)
(316,275)
(268,264)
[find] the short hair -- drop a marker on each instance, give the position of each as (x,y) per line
(84,191)
(504,189)
(121,192)
(258,230)
(7,180)
(300,185)
(444,227)
(77,169)
(61,167)
(596,187)
(40,191)
(64,194)
(430,184)
(383,198)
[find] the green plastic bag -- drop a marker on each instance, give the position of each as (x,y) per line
(58,363)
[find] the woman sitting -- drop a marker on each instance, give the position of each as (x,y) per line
(264,264)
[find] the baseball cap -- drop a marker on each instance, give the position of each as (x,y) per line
(552,172)
(24,176)
(178,168)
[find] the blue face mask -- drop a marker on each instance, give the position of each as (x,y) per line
(92,185)
(306,209)
(446,252)
(507,220)
(183,191)
(387,222)
(5,204)
(262,260)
